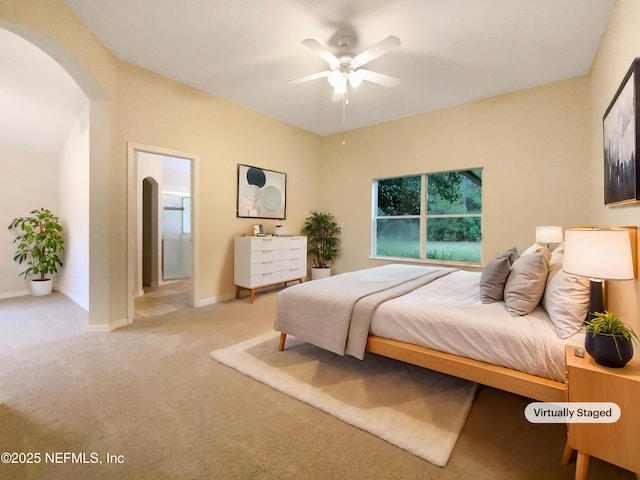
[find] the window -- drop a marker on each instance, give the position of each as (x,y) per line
(434,216)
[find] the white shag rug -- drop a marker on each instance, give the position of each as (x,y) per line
(418,410)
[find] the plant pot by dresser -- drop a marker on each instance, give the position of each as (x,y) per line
(318,273)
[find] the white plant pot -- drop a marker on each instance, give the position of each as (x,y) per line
(41,287)
(318,273)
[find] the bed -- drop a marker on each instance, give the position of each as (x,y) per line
(506,327)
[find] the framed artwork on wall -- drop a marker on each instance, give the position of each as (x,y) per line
(262,193)
(620,136)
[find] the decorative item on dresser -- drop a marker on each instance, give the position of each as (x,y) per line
(617,442)
(267,261)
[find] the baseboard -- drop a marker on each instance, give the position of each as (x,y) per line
(71,296)
(123,322)
(19,293)
(210,301)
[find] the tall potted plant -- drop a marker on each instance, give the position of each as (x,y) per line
(39,244)
(323,242)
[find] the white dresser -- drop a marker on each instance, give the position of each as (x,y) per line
(265,261)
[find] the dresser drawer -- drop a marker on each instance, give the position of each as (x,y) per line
(290,263)
(266,267)
(296,252)
(265,243)
(294,242)
(266,278)
(260,256)
(294,273)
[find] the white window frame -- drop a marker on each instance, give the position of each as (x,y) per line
(422,216)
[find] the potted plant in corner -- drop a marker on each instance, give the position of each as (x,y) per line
(323,242)
(39,244)
(609,341)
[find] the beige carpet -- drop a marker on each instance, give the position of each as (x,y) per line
(418,410)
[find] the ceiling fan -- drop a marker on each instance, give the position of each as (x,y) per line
(346,69)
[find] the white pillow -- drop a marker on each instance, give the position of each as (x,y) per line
(566,298)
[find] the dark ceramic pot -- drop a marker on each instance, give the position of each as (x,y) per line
(603,349)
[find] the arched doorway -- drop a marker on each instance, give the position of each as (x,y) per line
(150,232)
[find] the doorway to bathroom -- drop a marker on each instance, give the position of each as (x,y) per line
(161,272)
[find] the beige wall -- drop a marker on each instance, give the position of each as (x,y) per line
(19,195)
(74,211)
(532,144)
(619,46)
(159,112)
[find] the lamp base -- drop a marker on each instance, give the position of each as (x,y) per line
(596,298)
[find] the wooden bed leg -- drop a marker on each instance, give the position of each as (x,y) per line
(283,338)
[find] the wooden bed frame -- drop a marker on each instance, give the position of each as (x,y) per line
(531,386)
(507,379)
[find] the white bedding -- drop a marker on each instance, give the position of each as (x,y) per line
(447,315)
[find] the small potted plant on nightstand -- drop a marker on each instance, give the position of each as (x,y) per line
(609,341)
(322,232)
(39,243)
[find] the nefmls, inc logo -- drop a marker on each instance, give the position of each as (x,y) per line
(572,412)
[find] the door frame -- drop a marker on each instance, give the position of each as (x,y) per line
(133,191)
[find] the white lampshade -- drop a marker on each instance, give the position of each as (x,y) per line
(549,234)
(600,254)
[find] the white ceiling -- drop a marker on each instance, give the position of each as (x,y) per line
(452,52)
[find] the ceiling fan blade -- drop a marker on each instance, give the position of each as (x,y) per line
(378,49)
(307,78)
(379,78)
(327,56)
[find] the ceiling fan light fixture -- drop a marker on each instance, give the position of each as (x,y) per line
(342,87)
(355,79)
(337,80)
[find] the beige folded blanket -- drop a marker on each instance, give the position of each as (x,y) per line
(335,313)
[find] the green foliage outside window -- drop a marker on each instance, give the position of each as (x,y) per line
(447,220)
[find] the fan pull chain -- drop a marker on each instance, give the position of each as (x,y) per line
(344,108)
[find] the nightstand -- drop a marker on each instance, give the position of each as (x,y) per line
(618,442)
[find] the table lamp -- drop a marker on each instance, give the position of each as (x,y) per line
(599,254)
(549,234)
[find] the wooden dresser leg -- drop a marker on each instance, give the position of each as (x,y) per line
(237,291)
(283,338)
(582,465)
(253,294)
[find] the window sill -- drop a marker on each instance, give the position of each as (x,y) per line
(430,261)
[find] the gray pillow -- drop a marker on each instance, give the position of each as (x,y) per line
(494,277)
(525,284)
